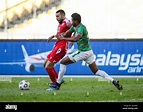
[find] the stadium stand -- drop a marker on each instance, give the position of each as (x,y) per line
(18,11)
(104,20)
(26,15)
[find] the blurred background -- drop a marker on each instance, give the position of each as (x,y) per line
(105,19)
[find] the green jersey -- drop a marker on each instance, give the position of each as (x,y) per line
(83,42)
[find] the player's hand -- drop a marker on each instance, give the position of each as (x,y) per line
(50,38)
(71,43)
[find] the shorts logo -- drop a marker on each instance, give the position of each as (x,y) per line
(58,51)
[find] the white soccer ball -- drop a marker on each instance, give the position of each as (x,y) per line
(24,85)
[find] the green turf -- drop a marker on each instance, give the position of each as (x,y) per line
(73,90)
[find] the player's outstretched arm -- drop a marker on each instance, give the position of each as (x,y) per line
(50,38)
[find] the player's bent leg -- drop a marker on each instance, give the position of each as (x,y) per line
(52,74)
(100,73)
(51,71)
(104,75)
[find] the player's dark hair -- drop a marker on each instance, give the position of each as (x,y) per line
(60,11)
(76,16)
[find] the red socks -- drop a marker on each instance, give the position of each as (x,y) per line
(52,74)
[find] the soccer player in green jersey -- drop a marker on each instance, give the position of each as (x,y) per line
(85,52)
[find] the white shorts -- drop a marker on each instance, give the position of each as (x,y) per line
(87,56)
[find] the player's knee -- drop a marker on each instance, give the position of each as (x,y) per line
(49,64)
(63,62)
(93,67)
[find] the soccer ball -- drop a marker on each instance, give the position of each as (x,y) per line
(24,85)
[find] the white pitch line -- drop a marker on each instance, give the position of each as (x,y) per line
(75,76)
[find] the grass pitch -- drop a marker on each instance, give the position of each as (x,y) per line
(73,90)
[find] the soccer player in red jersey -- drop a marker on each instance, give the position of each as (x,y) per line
(60,48)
